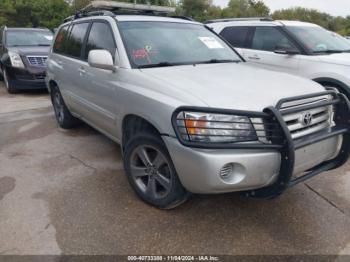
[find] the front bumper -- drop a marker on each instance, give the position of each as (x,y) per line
(26,79)
(265,170)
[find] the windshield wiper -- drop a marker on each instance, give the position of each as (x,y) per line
(29,45)
(161,64)
(329,51)
(218,61)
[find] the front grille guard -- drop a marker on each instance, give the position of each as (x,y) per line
(281,139)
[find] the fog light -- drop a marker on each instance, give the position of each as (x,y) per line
(226,171)
(232,173)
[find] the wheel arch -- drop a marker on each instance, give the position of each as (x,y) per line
(327,81)
(52,84)
(133,124)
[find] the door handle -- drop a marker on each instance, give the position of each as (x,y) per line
(82,71)
(255,57)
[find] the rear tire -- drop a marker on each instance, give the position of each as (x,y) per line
(151,172)
(63,116)
(9,86)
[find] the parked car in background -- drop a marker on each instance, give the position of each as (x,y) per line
(294,47)
(23,55)
(190,114)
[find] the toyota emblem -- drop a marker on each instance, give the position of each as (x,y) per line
(307,119)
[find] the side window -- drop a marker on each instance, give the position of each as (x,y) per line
(236,35)
(270,39)
(76,40)
(100,37)
(61,39)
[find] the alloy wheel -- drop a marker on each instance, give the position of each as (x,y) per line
(58,105)
(6,81)
(151,172)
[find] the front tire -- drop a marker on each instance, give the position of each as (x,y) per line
(151,173)
(63,116)
(9,86)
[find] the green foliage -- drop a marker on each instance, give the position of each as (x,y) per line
(195,8)
(246,8)
(202,10)
(33,13)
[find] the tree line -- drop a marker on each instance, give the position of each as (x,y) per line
(50,13)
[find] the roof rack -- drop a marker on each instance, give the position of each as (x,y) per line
(122,6)
(112,8)
(240,19)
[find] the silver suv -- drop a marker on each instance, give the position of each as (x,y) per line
(189,113)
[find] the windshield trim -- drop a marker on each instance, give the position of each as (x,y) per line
(134,66)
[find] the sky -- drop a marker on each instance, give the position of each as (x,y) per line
(333,7)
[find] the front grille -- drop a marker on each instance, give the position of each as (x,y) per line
(307,122)
(37,60)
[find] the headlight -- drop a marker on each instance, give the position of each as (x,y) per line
(16,60)
(215,128)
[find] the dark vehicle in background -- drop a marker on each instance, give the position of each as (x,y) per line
(23,55)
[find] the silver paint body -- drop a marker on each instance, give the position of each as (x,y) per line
(104,98)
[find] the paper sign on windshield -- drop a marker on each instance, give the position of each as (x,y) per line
(210,42)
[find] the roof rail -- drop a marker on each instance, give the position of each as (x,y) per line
(69,18)
(182,17)
(118,6)
(81,14)
(240,19)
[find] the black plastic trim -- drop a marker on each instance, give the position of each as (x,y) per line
(285,145)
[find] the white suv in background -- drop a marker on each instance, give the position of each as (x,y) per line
(290,46)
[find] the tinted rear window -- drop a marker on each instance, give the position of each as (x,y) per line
(59,46)
(237,36)
(76,40)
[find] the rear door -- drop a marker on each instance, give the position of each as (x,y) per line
(56,66)
(70,62)
(2,44)
(261,50)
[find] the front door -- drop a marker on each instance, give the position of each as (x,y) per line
(98,85)
(265,41)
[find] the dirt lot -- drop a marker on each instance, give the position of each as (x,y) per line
(64,192)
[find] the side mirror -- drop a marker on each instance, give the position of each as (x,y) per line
(284,51)
(101,59)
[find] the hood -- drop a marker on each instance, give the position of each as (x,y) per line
(339,59)
(233,86)
(30,50)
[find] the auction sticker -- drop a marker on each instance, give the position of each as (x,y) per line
(210,42)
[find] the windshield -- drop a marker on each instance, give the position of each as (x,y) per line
(319,40)
(28,38)
(154,44)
